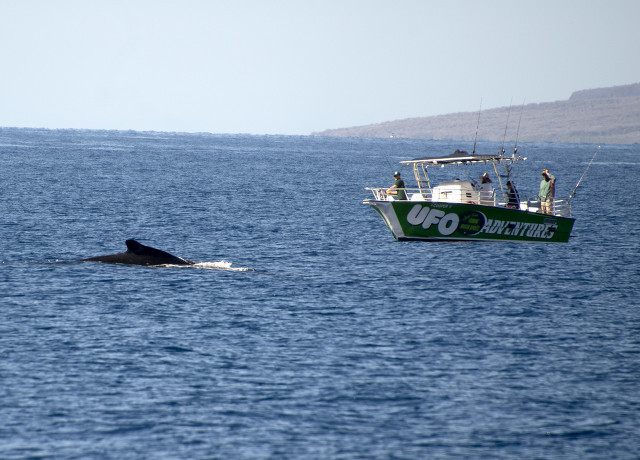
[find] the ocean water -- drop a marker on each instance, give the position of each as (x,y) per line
(306,331)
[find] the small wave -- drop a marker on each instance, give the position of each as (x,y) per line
(221,265)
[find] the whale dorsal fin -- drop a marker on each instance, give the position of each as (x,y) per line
(134,246)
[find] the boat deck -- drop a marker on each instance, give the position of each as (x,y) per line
(560,208)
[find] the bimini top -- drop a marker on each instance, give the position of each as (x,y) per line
(459,157)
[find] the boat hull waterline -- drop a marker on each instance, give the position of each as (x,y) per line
(441,221)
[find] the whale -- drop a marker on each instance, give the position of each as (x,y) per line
(139,254)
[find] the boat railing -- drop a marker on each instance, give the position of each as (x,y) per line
(560,208)
(450,196)
(413,194)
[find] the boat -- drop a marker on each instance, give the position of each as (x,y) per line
(460,210)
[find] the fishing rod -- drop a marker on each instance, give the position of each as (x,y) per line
(389,163)
(505,128)
(477,126)
(515,146)
(585,172)
(509,168)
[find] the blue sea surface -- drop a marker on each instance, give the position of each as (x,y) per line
(306,331)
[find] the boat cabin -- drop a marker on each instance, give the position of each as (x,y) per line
(457,191)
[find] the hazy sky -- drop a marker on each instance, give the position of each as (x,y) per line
(293,67)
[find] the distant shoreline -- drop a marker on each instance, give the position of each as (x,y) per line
(603,115)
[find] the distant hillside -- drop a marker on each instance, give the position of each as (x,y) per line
(602,115)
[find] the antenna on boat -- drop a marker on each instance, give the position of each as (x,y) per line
(477,126)
(505,128)
(585,172)
(515,145)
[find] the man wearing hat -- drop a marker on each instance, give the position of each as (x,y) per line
(398,188)
(547,192)
(486,190)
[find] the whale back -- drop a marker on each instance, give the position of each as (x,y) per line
(139,254)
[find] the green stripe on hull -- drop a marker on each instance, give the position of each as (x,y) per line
(430,221)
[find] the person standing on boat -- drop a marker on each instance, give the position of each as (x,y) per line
(486,183)
(398,188)
(513,200)
(486,190)
(547,192)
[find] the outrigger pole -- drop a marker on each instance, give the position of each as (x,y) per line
(477,126)
(585,172)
